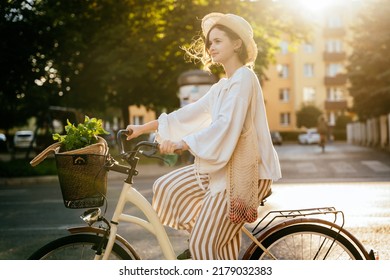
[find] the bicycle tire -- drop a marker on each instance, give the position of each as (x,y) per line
(303,242)
(77,247)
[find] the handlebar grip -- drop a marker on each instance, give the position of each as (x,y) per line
(154,145)
(119,140)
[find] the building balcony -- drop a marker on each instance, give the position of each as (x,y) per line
(334,56)
(335,105)
(338,80)
(334,32)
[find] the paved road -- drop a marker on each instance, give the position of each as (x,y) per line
(354,179)
(340,162)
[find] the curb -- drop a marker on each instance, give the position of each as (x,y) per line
(145,171)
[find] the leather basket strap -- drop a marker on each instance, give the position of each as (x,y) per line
(42,155)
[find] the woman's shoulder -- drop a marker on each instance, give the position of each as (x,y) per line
(244,73)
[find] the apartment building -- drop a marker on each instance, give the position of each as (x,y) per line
(140,115)
(313,72)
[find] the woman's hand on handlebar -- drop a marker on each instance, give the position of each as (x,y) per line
(171,147)
(137,130)
(134,131)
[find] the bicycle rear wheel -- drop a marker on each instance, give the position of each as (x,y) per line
(78,247)
(307,242)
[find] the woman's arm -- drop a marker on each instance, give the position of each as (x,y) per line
(166,146)
(137,130)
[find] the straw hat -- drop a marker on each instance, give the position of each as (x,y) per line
(238,25)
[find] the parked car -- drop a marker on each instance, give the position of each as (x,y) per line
(23,139)
(3,142)
(276,138)
(310,137)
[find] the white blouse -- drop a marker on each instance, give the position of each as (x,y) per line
(212,125)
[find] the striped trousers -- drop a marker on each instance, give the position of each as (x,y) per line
(182,203)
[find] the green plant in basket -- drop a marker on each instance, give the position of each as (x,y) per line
(82,135)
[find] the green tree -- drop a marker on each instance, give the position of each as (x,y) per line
(308,116)
(113,53)
(369,70)
(20,29)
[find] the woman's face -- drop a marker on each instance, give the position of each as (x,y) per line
(221,47)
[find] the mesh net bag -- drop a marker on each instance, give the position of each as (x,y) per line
(243,174)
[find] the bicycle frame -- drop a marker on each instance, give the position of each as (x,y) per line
(153,224)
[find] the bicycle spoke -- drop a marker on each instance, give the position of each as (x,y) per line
(306,242)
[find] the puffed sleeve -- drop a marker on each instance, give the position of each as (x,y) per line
(186,120)
(214,144)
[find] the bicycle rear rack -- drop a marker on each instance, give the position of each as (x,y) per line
(273,216)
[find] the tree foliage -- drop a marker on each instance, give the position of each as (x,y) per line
(369,70)
(308,116)
(95,54)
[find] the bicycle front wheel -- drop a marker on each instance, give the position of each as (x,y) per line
(307,242)
(77,247)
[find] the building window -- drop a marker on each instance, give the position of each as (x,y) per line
(333,69)
(309,94)
(334,46)
(334,21)
(332,118)
(308,69)
(282,70)
(308,47)
(283,47)
(138,120)
(335,94)
(284,95)
(285,119)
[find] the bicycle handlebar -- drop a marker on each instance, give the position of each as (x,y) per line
(123,132)
(153,145)
(119,141)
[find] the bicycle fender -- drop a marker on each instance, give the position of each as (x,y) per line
(95,230)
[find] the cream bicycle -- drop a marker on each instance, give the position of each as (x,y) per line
(304,234)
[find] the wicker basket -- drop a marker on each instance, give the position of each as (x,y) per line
(81,172)
(83,179)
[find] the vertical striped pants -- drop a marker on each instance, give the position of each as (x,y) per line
(181,203)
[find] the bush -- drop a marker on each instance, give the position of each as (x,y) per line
(339,134)
(22,168)
(290,136)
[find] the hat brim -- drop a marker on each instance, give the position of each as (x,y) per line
(244,31)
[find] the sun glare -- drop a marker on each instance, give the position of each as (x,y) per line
(316,5)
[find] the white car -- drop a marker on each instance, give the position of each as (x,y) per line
(23,139)
(3,142)
(310,137)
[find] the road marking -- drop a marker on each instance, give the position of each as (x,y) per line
(342,167)
(307,167)
(376,166)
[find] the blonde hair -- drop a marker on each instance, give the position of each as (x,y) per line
(197,51)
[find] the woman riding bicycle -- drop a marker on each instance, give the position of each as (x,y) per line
(193,198)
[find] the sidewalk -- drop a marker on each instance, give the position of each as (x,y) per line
(144,170)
